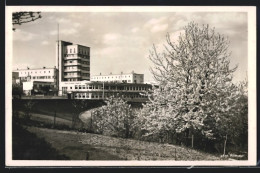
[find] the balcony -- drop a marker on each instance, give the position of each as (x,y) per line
(71,57)
(72,70)
(70,64)
(72,76)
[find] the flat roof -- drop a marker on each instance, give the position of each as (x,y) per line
(35,69)
(117,74)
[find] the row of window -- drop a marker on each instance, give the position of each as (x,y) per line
(76,55)
(81,51)
(106,95)
(77,61)
(35,72)
(38,77)
(111,77)
(129,88)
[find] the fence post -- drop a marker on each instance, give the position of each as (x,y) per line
(225,143)
(175,154)
(54,119)
(192,141)
(87,155)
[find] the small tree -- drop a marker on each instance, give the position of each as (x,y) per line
(28,105)
(196,93)
(79,107)
(17,90)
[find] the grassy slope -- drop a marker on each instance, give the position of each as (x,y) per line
(76,146)
(27,146)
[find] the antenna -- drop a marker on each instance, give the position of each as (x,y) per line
(58,32)
(58,70)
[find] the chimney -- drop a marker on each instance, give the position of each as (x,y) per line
(121,72)
(43,67)
(110,72)
(28,68)
(100,74)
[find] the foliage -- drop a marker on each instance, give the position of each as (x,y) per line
(196,94)
(28,109)
(17,90)
(79,106)
(114,119)
(19,18)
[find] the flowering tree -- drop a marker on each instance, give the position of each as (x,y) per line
(196,93)
(114,119)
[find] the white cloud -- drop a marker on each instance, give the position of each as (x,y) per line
(158,28)
(45,42)
(157,24)
(20,35)
(110,38)
(68,31)
(76,25)
(155,21)
(63,20)
(135,29)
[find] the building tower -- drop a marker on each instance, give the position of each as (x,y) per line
(72,61)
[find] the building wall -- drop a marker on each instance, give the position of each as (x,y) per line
(44,75)
(121,78)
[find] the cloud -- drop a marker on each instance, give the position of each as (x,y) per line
(157,24)
(158,28)
(155,21)
(45,42)
(135,29)
(20,35)
(68,31)
(110,38)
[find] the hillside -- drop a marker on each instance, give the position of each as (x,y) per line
(82,146)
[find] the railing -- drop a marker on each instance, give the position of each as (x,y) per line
(74,63)
(72,70)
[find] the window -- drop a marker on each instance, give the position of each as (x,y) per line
(79,86)
(76,86)
(70,87)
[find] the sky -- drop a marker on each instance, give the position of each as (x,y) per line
(120,42)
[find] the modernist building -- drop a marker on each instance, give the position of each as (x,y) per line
(38,74)
(102,90)
(73,61)
(120,78)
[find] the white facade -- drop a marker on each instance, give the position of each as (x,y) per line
(101,90)
(120,78)
(42,75)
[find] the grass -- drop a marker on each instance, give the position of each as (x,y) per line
(27,146)
(77,146)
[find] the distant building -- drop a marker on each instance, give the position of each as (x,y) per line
(73,61)
(120,78)
(102,90)
(15,78)
(38,74)
(39,88)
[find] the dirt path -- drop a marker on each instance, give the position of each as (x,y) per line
(78,145)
